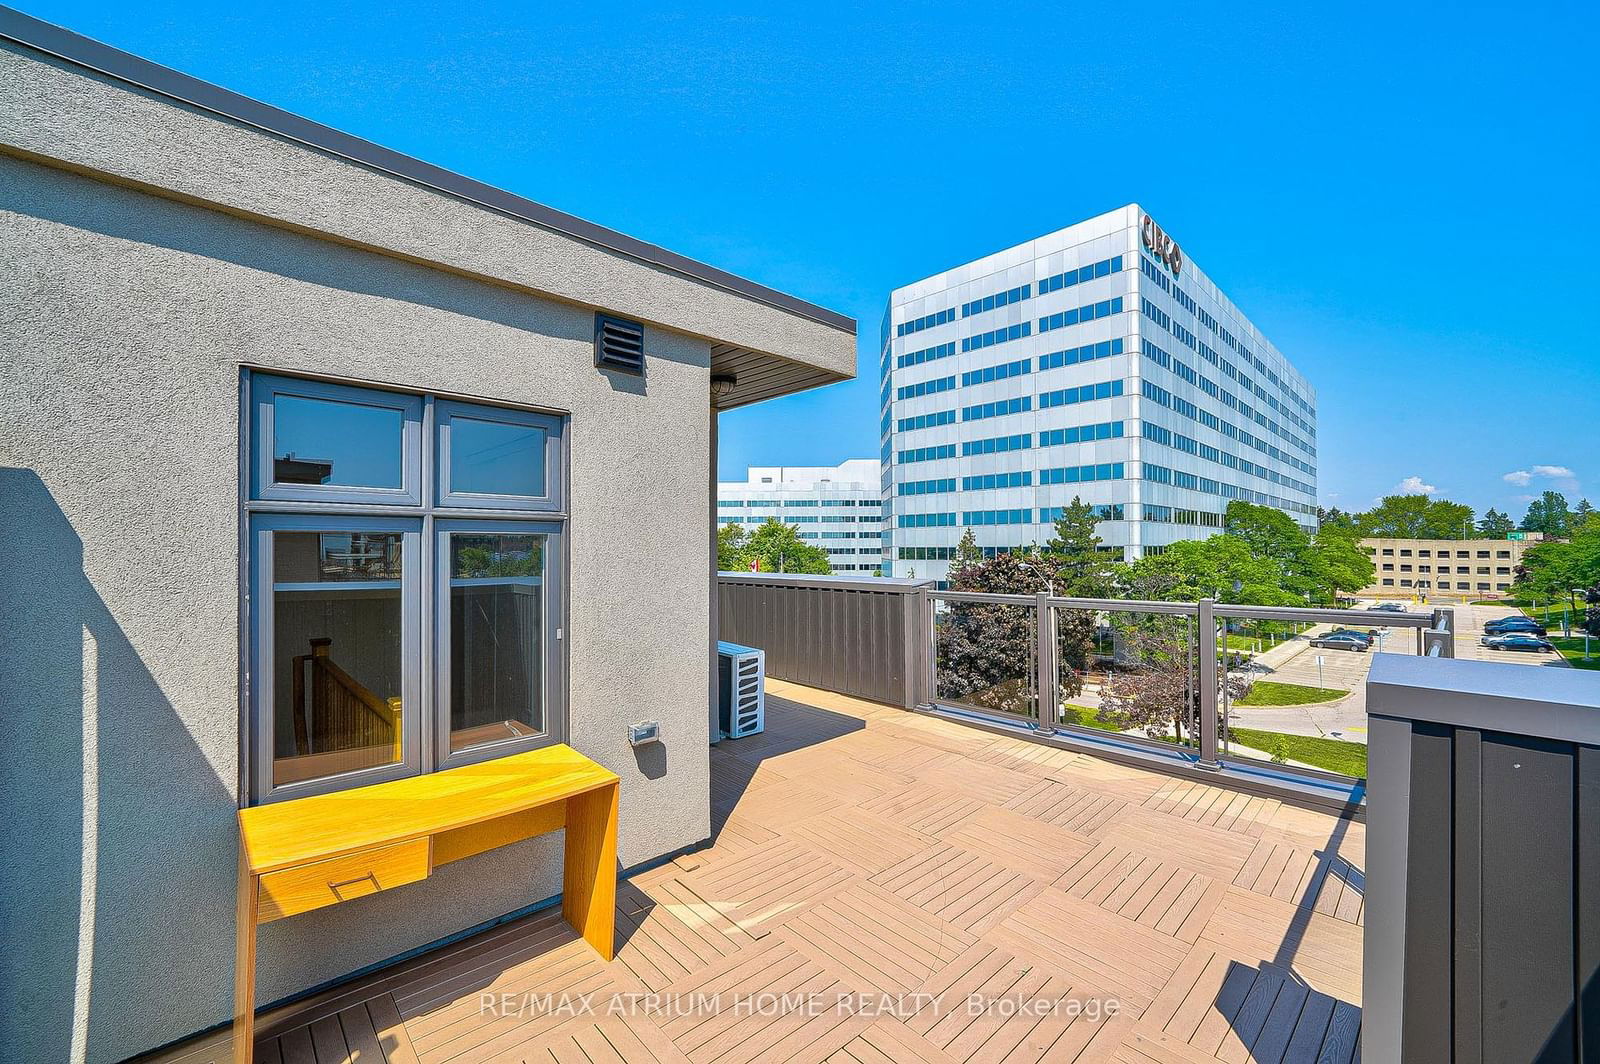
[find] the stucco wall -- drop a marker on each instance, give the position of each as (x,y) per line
(124,320)
(59,111)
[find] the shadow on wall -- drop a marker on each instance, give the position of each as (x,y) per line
(113,819)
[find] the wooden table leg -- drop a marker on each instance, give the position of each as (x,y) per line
(589,879)
(244,966)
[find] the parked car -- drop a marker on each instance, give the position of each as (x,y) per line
(1368,636)
(1388,607)
(1507,625)
(1517,641)
(1343,641)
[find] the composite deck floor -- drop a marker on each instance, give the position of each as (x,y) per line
(884,886)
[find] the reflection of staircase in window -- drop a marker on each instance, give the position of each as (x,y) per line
(340,725)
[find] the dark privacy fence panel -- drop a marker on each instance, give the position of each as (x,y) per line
(865,638)
(1499,959)
(1498,903)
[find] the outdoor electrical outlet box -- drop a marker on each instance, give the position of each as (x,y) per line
(648,731)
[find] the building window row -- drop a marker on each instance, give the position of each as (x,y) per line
(928,421)
(1082,394)
(928,387)
(1184,299)
(1083,474)
(927,321)
(1016,405)
(1022,478)
(1155,273)
(1156,314)
(929,454)
(997,445)
(927,354)
(1088,312)
(998,299)
(927,487)
(926,554)
(996,373)
(1113,511)
(1105,430)
(1103,268)
(997,517)
(927,520)
(1002,335)
(1087,353)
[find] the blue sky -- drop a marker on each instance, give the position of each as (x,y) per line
(1403,202)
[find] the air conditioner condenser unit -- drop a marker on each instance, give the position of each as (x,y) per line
(742,695)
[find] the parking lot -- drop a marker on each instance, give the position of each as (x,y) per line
(1296,662)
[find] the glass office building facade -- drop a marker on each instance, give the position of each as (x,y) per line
(1098,363)
(835,508)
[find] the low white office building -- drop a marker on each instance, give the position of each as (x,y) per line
(1095,362)
(836,508)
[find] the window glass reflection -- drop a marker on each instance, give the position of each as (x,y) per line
(337,662)
(497,624)
(496,458)
(324,441)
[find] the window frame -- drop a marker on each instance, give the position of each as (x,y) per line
(554,657)
(447,410)
(422,512)
(262,731)
(262,443)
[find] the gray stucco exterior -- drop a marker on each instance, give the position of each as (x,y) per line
(151,251)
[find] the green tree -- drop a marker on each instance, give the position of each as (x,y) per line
(1416,517)
(730,549)
(1336,518)
(1548,514)
(1495,524)
(778,548)
(968,554)
(986,651)
(1223,567)
(1581,513)
(1550,570)
(1338,563)
(1082,568)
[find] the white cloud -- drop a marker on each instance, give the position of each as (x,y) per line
(1414,486)
(1521,477)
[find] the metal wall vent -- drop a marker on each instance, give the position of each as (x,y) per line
(618,344)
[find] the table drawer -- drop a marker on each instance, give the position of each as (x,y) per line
(298,890)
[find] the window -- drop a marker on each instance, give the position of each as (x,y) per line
(413,622)
(331,443)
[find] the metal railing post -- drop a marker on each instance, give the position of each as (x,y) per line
(1045,660)
(1207,637)
(928,657)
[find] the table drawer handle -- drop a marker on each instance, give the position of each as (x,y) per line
(335,887)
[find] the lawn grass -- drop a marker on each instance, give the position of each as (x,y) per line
(1271,693)
(1572,650)
(1086,717)
(1333,755)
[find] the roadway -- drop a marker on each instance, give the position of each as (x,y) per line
(1295,661)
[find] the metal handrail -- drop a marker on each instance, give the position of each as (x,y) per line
(1435,638)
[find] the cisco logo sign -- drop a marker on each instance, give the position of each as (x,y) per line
(1161,245)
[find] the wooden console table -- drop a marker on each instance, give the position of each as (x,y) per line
(311,852)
